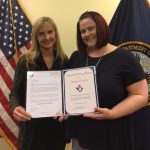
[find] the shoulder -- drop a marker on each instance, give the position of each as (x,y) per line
(21,64)
(22,60)
(122,58)
(65,58)
(76,60)
(128,61)
(122,54)
(75,54)
(123,51)
(62,60)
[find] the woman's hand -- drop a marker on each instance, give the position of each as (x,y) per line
(61,118)
(101,113)
(20,114)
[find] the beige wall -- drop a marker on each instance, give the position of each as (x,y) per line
(65,13)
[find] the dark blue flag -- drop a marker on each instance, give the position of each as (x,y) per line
(130,29)
(131,21)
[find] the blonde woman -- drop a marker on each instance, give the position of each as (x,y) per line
(46,54)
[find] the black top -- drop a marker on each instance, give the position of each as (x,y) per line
(39,133)
(114,73)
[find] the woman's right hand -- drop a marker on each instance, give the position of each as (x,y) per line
(61,118)
(20,114)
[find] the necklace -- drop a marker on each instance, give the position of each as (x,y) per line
(98,62)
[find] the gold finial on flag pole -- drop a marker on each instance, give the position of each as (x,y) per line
(148,3)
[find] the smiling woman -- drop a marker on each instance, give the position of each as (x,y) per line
(125,83)
(46,54)
(47,38)
(67,24)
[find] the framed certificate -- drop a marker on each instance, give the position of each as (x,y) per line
(80,90)
(53,93)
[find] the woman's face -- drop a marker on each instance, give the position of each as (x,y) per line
(88,32)
(46,36)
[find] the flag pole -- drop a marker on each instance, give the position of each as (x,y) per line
(2,134)
(13,29)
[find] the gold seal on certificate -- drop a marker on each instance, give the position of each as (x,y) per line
(53,93)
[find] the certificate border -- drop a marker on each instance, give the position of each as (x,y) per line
(64,97)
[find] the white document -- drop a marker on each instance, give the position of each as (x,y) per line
(53,93)
(44,93)
(80,92)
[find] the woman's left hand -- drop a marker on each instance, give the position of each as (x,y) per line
(103,113)
(61,118)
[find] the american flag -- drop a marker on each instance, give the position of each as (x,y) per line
(15,37)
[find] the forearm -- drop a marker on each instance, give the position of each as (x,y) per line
(14,101)
(129,105)
(17,95)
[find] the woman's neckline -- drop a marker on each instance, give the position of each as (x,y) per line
(103,51)
(105,55)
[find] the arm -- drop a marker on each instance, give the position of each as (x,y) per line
(17,95)
(136,99)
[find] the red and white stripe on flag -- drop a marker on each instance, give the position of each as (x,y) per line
(15,37)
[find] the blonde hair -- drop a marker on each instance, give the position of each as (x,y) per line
(35,49)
